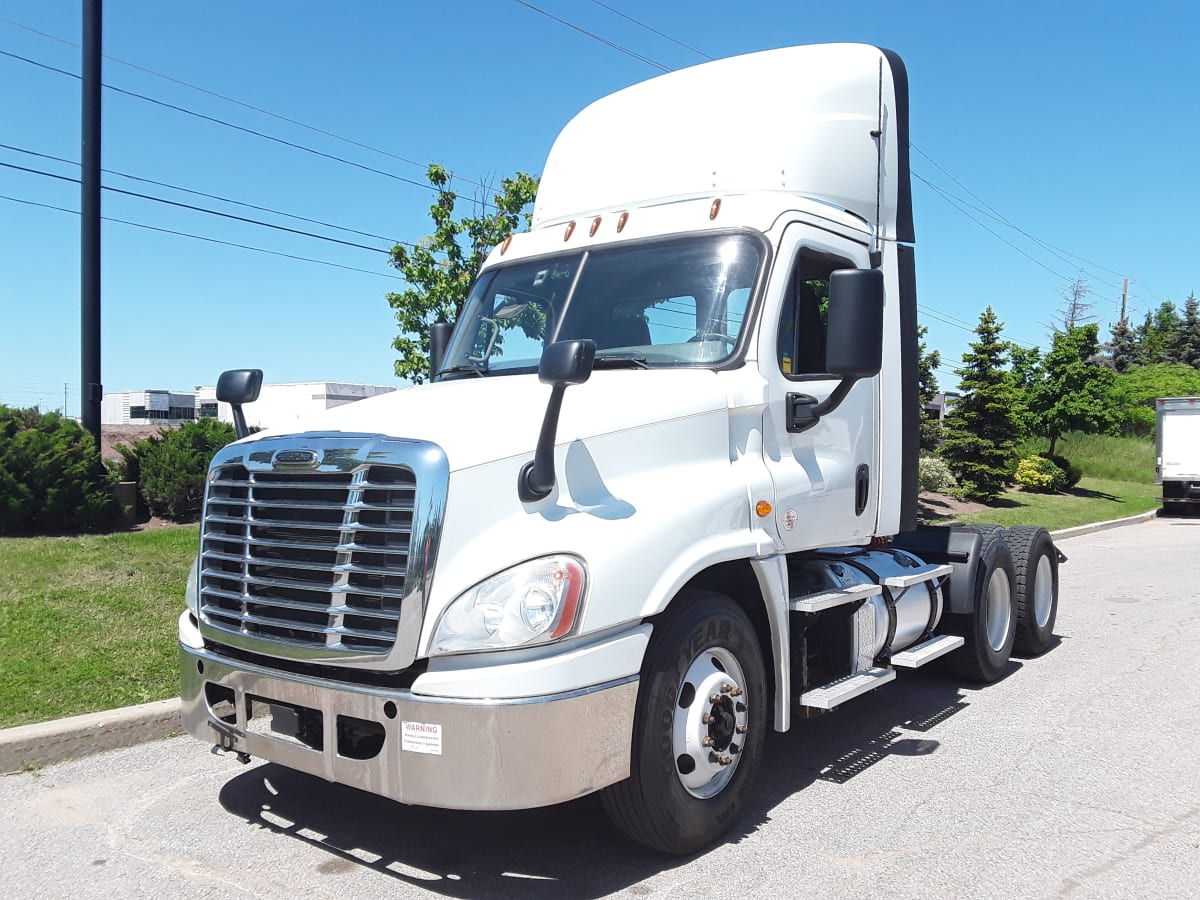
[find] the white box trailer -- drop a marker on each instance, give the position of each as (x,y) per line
(492,592)
(1177,452)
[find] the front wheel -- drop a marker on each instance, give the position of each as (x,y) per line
(699,728)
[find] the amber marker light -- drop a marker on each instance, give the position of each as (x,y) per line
(504,246)
(763,508)
(595,227)
(570,231)
(621,222)
(715,208)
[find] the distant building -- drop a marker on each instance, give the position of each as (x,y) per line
(281,405)
(941,404)
(152,407)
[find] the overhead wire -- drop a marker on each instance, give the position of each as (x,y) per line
(202,209)
(603,40)
(200,237)
(258,109)
(650,28)
(176,187)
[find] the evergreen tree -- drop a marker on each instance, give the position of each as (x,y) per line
(927,388)
(1025,372)
(1076,392)
(1189,333)
(982,429)
(1122,349)
(1158,336)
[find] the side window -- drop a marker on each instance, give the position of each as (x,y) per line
(804,320)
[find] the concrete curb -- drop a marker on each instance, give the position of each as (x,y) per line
(31,746)
(1064,533)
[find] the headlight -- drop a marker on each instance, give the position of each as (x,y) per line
(191,594)
(535,602)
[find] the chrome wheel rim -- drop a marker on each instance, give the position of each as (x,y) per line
(1043,591)
(710,722)
(998,610)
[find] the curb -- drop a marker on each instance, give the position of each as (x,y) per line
(33,746)
(1064,533)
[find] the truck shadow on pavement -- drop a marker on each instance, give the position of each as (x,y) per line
(570,849)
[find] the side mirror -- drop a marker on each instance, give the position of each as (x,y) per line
(439,340)
(854,346)
(562,364)
(236,387)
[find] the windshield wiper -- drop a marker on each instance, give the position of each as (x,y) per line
(463,367)
(621,362)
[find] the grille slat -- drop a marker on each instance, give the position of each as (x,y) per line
(310,558)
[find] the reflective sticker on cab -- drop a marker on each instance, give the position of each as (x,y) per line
(421,737)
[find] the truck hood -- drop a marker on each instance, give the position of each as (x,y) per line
(480,420)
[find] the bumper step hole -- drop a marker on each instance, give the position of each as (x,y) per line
(359,738)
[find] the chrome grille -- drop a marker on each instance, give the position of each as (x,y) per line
(314,559)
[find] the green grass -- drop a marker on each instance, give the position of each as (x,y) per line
(1118,481)
(88,623)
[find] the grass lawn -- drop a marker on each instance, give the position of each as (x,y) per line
(1118,480)
(88,623)
(1092,500)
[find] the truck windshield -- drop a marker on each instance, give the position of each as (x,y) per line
(677,302)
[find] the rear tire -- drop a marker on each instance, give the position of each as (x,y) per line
(689,779)
(1035,563)
(990,629)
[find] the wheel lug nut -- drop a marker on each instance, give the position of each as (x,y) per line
(714,698)
(724,760)
(735,692)
(706,719)
(742,729)
(706,741)
(726,688)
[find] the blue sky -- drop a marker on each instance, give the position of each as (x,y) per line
(1075,122)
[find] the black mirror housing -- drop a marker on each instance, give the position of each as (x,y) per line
(854,347)
(238,386)
(567,362)
(439,340)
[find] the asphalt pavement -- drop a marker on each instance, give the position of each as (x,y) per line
(1075,775)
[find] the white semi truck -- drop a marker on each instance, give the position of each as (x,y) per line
(1177,452)
(491,592)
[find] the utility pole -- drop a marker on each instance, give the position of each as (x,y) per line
(64,400)
(89,232)
(1124,292)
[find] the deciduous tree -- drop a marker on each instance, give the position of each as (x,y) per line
(1075,392)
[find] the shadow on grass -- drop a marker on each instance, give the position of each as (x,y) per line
(1093,495)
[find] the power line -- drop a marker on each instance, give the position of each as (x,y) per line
(653,30)
(603,40)
(202,209)
(176,187)
(216,121)
(200,237)
(258,109)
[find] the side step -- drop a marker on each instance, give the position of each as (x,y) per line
(838,692)
(930,650)
(916,576)
(811,603)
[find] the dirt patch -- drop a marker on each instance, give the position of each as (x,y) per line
(932,505)
(111,435)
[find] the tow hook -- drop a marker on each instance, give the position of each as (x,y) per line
(226,736)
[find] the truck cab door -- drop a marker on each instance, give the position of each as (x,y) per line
(824,477)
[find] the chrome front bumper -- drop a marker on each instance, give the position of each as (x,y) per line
(458,754)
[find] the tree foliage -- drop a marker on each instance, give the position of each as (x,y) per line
(1135,391)
(1075,391)
(439,270)
(982,428)
(170,468)
(51,477)
(927,388)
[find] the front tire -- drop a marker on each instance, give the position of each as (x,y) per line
(699,728)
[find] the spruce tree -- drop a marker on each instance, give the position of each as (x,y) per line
(927,388)
(1189,333)
(1123,349)
(982,429)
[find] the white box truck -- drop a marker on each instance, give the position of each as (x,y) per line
(491,592)
(1177,452)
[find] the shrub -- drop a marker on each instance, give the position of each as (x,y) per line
(172,466)
(1039,474)
(1071,472)
(51,477)
(934,475)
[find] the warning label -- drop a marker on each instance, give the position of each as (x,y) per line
(421,737)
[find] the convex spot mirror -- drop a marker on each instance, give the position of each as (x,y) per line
(854,344)
(567,362)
